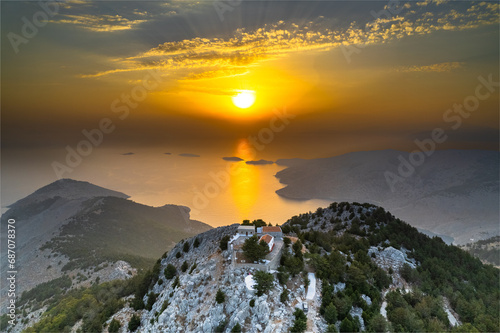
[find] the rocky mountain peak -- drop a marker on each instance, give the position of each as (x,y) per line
(69,189)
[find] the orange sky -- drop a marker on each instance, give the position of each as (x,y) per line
(351,77)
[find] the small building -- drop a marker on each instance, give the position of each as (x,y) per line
(246,230)
(273,231)
(269,240)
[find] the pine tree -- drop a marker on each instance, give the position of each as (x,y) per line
(220,297)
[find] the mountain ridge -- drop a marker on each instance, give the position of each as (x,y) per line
(356,266)
(85,226)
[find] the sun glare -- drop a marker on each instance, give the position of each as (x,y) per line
(244,99)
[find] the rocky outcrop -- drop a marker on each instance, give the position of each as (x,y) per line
(191,306)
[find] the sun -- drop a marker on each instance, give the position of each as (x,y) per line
(244,99)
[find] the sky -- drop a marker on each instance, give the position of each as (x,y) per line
(328,77)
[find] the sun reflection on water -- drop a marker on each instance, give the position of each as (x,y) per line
(245,180)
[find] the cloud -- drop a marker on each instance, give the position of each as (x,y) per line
(74,3)
(438,68)
(204,58)
(98,23)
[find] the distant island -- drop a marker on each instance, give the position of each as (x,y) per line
(259,162)
(446,194)
(233,159)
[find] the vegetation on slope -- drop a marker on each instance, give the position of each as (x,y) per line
(111,229)
(443,271)
(340,251)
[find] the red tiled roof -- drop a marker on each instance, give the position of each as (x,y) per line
(266,238)
(271,229)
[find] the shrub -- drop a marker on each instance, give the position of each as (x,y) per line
(170,271)
(134,323)
(164,306)
(264,282)
(184,266)
(255,250)
(151,300)
(185,248)
(331,314)
(300,323)
(196,242)
(223,242)
(114,326)
(284,296)
(220,297)
(221,327)
(346,325)
(236,328)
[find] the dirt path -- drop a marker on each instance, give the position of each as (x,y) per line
(313,314)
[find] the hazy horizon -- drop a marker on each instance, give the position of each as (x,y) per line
(86,82)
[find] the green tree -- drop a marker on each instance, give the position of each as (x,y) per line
(170,271)
(294,265)
(220,297)
(134,323)
(236,328)
(287,241)
(466,328)
(378,323)
(185,247)
(114,326)
(300,323)
(297,248)
(196,242)
(184,266)
(259,223)
(331,329)
(151,300)
(223,242)
(221,327)
(254,250)
(346,326)
(331,314)
(284,296)
(343,305)
(264,282)
(282,275)
(382,280)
